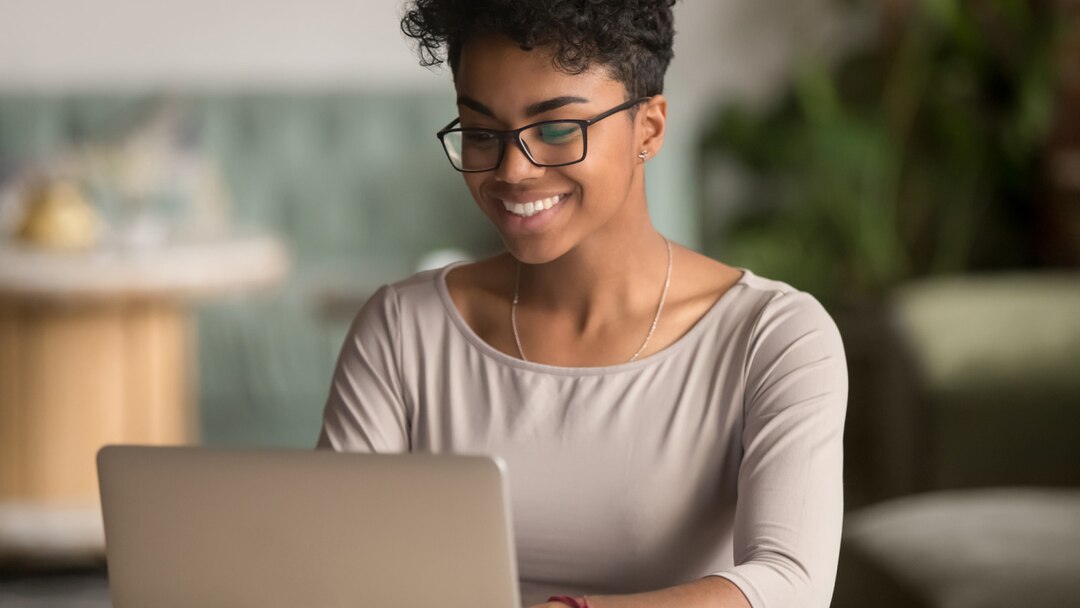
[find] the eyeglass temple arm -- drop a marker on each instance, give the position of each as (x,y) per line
(447,127)
(619,108)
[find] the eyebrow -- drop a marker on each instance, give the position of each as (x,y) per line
(532,110)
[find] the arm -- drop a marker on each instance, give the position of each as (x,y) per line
(790,506)
(790,509)
(365,410)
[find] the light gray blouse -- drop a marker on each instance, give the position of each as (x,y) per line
(719,455)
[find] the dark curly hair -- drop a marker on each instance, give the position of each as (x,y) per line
(631,38)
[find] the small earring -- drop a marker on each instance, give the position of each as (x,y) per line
(643,155)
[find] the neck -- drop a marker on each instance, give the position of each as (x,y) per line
(600,281)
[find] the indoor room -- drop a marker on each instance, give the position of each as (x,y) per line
(217,219)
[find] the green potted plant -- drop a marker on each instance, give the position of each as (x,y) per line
(915,155)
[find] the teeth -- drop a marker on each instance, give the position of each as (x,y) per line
(532,208)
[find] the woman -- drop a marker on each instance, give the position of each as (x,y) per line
(672,425)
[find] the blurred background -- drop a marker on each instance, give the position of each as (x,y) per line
(196,197)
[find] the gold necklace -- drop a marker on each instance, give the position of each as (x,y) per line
(652,328)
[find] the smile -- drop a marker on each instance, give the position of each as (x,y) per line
(532,208)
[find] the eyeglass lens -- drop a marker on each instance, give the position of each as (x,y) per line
(550,143)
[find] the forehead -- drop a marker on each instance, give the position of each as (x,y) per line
(497,72)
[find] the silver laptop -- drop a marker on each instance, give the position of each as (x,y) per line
(197,527)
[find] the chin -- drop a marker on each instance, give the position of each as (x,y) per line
(535,252)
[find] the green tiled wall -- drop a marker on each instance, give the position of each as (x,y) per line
(355,182)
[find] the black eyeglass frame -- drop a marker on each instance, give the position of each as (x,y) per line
(502,136)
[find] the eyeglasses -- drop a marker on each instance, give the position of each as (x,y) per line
(549,143)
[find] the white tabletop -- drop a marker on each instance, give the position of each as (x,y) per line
(178,269)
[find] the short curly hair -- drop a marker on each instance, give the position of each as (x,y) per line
(630,38)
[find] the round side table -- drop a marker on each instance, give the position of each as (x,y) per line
(97,347)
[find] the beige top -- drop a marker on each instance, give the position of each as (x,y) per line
(720,454)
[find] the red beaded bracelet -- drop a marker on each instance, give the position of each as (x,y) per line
(570,601)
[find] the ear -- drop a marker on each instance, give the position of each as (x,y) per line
(652,120)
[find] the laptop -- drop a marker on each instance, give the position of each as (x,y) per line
(271,528)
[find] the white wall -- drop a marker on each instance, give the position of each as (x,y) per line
(724,49)
(63,44)
(722,46)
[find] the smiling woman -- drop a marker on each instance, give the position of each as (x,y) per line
(672,425)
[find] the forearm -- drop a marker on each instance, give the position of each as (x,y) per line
(707,592)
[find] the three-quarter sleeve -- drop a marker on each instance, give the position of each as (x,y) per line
(365,410)
(789,510)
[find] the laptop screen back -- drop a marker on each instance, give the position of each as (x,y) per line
(296,528)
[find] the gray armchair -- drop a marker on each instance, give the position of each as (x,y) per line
(981,437)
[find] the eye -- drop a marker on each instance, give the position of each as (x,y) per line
(560,132)
(478,138)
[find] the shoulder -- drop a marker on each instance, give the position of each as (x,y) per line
(759,305)
(394,303)
(421,285)
(778,304)
(792,340)
(420,290)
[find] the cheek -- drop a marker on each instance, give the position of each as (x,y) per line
(611,159)
(605,177)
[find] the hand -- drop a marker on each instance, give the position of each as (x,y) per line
(555,604)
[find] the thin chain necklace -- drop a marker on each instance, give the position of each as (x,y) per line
(652,328)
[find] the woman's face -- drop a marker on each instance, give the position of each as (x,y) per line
(500,86)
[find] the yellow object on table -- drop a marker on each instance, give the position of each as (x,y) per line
(59,217)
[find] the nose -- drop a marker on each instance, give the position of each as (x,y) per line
(516,166)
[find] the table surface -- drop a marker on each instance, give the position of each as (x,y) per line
(181,268)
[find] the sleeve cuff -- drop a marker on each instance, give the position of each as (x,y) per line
(744,585)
